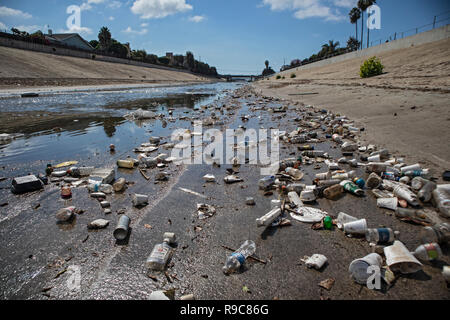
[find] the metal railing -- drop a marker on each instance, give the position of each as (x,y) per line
(438,21)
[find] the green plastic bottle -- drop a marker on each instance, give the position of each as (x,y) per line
(328,223)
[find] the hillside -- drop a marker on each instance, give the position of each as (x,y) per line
(29,68)
(405,110)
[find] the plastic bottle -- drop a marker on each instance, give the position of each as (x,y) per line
(425,173)
(161,253)
(328,223)
(295,173)
(428,252)
(441,196)
(344,176)
(389,176)
(439,233)
(237,258)
(425,192)
(99,187)
(380,235)
(266,182)
(129,164)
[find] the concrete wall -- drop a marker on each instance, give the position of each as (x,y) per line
(12,43)
(415,40)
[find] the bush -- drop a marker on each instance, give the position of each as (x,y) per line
(278,77)
(293,75)
(371,67)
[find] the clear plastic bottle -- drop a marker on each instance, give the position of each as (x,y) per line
(428,252)
(380,235)
(439,233)
(237,258)
(266,182)
(161,253)
(100,187)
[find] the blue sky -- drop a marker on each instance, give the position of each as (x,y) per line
(236,36)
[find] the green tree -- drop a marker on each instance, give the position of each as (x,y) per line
(267,64)
(355,15)
(104,39)
(118,49)
(328,48)
(94,44)
(353,44)
(140,55)
(189,61)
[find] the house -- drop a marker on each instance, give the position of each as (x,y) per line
(69,39)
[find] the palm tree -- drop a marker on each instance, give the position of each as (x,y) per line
(104,38)
(352,44)
(267,64)
(362,5)
(370,2)
(355,15)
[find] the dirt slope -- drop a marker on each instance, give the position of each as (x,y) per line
(35,68)
(406,110)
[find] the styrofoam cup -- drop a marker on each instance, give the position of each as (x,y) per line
(356,227)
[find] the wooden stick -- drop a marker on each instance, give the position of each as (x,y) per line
(143,174)
(251,257)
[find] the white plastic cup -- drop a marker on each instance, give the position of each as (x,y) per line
(374,158)
(308,196)
(344,218)
(388,203)
(356,227)
(358,268)
(316,261)
(410,168)
(139,200)
(398,258)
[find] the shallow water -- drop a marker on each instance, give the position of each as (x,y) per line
(81,125)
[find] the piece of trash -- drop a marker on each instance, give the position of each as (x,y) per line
(161,253)
(327,284)
(358,268)
(316,261)
(356,227)
(122,229)
(192,192)
(380,235)
(308,215)
(139,200)
(209,178)
(187,297)
(205,210)
(98,224)
(237,258)
(250,201)
(232,179)
(65,214)
(26,184)
(158,295)
(65,164)
(399,259)
(428,252)
(388,203)
(268,218)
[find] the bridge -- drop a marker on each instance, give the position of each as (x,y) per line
(239,77)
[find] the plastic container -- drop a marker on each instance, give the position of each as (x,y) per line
(352,188)
(333,192)
(65,214)
(266,182)
(358,227)
(358,268)
(399,259)
(139,200)
(121,231)
(439,233)
(129,164)
(380,235)
(161,254)
(268,218)
(294,173)
(237,258)
(428,252)
(441,197)
(26,184)
(316,261)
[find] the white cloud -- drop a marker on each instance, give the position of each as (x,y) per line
(131,31)
(115,4)
(197,19)
(154,9)
(111,18)
(8,12)
(96,1)
(305,9)
(345,3)
(3,26)
(143,25)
